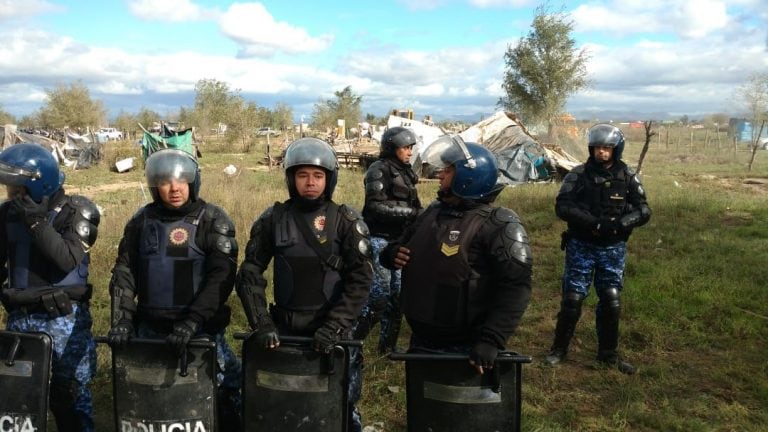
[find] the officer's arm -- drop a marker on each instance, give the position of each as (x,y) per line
(378,202)
(389,254)
(357,273)
(568,204)
(220,247)
(122,286)
(251,284)
(639,213)
(66,242)
(511,264)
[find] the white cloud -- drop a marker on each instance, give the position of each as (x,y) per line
(501,3)
(251,25)
(169,10)
(25,8)
(422,4)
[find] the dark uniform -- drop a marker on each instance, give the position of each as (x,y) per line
(44,241)
(322,263)
(467,282)
(391,203)
(602,203)
(174,272)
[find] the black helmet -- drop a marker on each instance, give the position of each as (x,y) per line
(33,167)
(396,137)
(476,167)
(606,135)
(172,164)
(311,152)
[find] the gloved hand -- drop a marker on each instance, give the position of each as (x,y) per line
(32,212)
(483,355)
(326,337)
(607,226)
(182,333)
(120,333)
(266,334)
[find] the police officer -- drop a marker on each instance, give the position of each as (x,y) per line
(175,269)
(391,202)
(602,201)
(45,240)
(466,264)
(322,268)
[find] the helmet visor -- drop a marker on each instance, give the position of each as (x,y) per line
(167,165)
(16,176)
(446,151)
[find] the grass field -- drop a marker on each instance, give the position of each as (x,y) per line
(695,304)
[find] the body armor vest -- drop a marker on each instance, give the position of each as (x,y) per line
(27,271)
(303,280)
(607,197)
(439,287)
(172,264)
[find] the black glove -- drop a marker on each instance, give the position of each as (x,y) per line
(120,333)
(606,226)
(483,354)
(32,212)
(266,334)
(326,337)
(182,333)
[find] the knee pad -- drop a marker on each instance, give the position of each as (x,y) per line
(571,304)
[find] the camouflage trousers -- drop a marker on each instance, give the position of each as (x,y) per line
(355,423)
(586,263)
(74,354)
(229,371)
(384,295)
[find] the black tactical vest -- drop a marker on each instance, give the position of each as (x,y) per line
(439,288)
(172,264)
(607,196)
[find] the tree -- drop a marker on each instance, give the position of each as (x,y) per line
(5,117)
(543,70)
(282,117)
(146,117)
(71,106)
(345,106)
(753,96)
(213,101)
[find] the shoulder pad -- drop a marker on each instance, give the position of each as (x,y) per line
(578,169)
(362,228)
(630,171)
(349,213)
(504,215)
(516,243)
(222,224)
(374,172)
(266,214)
(86,208)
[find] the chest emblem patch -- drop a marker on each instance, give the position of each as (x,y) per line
(449,250)
(178,236)
(453,235)
(319,223)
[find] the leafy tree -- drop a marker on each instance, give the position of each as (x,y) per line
(5,117)
(146,117)
(213,101)
(126,122)
(71,106)
(242,119)
(346,105)
(753,96)
(30,120)
(282,117)
(544,69)
(684,120)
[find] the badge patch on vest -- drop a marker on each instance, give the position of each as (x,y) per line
(453,235)
(319,223)
(449,250)
(178,236)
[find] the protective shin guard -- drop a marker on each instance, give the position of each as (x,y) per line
(570,312)
(62,404)
(228,410)
(607,324)
(389,334)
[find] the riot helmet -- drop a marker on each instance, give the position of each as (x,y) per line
(476,167)
(394,138)
(310,152)
(172,164)
(606,135)
(33,167)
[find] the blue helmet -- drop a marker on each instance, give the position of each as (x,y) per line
(33,167)
(311,152)
(606,135)
(476,167)
(172,164)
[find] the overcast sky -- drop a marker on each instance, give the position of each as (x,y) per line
(439,57)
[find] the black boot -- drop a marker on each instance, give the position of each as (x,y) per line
(390,332)
(228,406)
(62,404)
(570,312)
(607,324)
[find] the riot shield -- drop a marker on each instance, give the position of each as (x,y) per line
(154,390)
(25,374)
(444,393)
(294,388)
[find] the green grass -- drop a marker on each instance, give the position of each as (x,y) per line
(695,306)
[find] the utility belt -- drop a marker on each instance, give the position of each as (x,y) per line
(53,300)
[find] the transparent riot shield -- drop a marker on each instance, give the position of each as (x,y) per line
(294,388)
(25,374)
(154,390)
(444,393)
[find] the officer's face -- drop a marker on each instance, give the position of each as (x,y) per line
(14,191)
(310,182)
(446,177)
(173,193)
(403,154)
(602,154)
